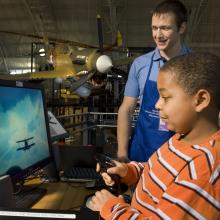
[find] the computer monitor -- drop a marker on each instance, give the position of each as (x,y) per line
(24,132)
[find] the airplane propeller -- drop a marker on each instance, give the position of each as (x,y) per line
(100,33)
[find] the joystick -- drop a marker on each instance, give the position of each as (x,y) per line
(105,163)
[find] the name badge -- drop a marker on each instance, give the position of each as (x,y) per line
(162,126)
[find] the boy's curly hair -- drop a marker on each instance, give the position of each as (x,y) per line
(195,71)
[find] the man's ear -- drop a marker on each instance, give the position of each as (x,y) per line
(202,100)
(182,28)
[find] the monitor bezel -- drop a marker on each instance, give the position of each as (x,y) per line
(22,175)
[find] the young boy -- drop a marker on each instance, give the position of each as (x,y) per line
(181,180)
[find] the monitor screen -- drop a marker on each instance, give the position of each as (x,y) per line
(24,142)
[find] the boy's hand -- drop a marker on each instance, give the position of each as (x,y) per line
(120,169)
(108,180)
(99,199)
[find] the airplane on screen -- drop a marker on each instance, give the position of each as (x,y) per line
(26,146)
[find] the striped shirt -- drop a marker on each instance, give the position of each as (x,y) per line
(179,181)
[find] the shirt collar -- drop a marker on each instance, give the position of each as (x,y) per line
(157,56)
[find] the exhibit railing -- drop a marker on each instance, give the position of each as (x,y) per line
(91,120)
(90,127)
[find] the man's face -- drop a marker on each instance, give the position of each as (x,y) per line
(165,31)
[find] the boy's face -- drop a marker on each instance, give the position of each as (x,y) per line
(176,107)
(165,32)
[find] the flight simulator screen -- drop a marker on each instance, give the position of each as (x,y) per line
(23,130)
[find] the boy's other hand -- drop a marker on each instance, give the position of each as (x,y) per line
(99,199)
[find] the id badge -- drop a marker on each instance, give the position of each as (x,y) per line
(162,126)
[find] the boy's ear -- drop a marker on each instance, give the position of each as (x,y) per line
(202,100)
(182,28)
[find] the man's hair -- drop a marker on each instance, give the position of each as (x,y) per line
(195,71)
(172,6)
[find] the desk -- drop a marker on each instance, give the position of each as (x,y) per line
(63,196)
(67,196)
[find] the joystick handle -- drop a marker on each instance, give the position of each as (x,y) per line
(105,163)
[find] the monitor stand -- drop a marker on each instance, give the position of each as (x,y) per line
(28,196)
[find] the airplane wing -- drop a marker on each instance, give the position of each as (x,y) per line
(29,138)
(76,81)
(24,140)
(30,145)
(53,74)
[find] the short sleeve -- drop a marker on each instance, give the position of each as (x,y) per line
(132,86)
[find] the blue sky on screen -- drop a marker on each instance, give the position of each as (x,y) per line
(21,117)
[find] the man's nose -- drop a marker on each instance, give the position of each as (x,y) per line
(158,33)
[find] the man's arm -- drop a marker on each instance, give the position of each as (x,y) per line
(124,128)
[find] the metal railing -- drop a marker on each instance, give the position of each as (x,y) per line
(91,120)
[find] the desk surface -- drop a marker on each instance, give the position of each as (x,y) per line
(63,196)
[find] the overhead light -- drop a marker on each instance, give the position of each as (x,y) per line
(42,52)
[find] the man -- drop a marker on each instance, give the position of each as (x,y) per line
(168,24)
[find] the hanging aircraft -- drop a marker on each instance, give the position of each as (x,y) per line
(77,64)
(74,62)
(26,146)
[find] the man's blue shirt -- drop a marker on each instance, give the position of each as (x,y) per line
(138,72)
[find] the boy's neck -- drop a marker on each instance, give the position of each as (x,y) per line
(203,129)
